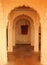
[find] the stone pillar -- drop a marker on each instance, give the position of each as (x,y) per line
(14,36)
(10,37)
(36,39)
(44,40)
(32,34)
(3,47)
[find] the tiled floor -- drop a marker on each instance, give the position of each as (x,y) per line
(23,55)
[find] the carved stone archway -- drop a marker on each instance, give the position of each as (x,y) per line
(27,13)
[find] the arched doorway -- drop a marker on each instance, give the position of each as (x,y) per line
(23,30)
(21,20)
(23,26)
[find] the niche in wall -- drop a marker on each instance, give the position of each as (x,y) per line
(24,29)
